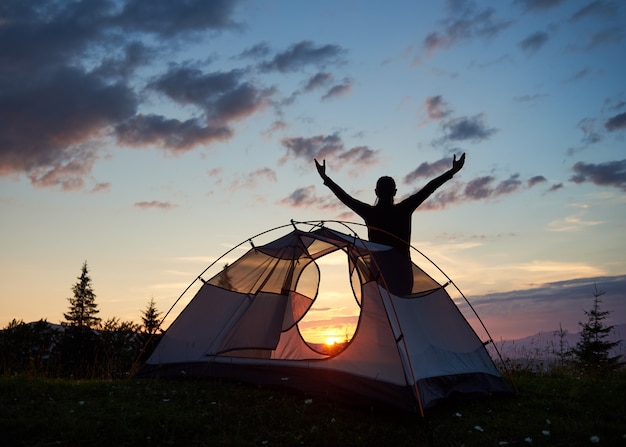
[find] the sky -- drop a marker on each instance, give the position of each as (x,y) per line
(149,137)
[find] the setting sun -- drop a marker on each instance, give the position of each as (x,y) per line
(331,341)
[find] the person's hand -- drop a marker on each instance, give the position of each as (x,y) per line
(321,168)
(458,164)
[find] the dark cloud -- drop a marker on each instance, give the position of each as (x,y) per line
(66,82)
(609,36)
(464,22)
(168,133)
(556,187)
(329,147)
(428,170)
(303,54)
(436,107)
(479,188)
(536,180)
(590,133)
(358,158)
(301,198)
(134,56)
(581,74)
(534,42)
(47,120)
(319,146)
(467,129)
(597,9)
(223,96)
(617,122)
(612,173)
(485,187)
(155,204)
(257,51)
(38,34)
(167,18)
(338,90)
(539,5)
(508,186)
(318,80)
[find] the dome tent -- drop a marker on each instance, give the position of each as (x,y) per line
(408,351)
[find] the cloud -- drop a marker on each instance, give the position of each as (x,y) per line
(588,128)
(338,90)
(329,147)
(596,9)
(539,5)
(617,122)
(536,180)
(486,187)
(302,198)
(319,146)
(358,158)
(612,173)
(302,54)
(49,118)
(464,22)
(260,50)
(608,36)
(571,224)
(428,170)
(166,206)
(68,82)
(223,96)
(467,129)
(318,80)
(167,19)
(252,180)
(436,107)
(481,188)
(530,98)
(170,134)
(581,74)
(555,187)
(534,42)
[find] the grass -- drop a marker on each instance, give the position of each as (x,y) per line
(551,409)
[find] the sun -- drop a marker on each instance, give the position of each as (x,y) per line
(330,341)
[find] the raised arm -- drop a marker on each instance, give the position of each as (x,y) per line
(355,205)
(416,199)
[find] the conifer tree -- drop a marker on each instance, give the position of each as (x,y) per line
(83,307)
(150,317)
(592,352)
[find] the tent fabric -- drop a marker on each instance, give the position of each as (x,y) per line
(410,350)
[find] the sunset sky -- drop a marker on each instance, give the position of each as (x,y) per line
(148,137)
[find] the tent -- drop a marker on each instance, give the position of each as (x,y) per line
(409,351)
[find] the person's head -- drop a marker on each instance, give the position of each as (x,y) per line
(385,189)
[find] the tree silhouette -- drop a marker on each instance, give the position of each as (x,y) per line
(83,307)
(79,343)
(592,352)
(150,317)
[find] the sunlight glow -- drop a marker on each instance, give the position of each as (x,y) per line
(330,341)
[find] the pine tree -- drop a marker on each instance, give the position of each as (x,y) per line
(83,307)
(150,317)
(592,351)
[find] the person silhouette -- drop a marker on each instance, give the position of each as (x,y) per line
(389,223)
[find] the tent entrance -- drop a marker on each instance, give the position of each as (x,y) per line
(332,320)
